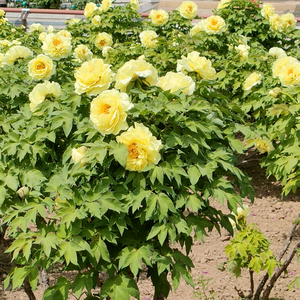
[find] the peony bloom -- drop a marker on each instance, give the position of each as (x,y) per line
(288,21)
(15,53)
(50,29)
(277,52)
(41,91)
(89,9)
(264,146)
(252,80)
(37,27)
(78,154)
(65,33)
(2,13)
(74,21)
(83,53)
(134,69)
(289,74)
(281,62)
(96,20)
(177,81)
(143,147)
(42,36)
(105,51)
(275,22)
(148,38)
(1,58)
(242,215)
(214,25)
(93,77)
(102,40)
(41,68)
(57,46)
(196,63)
(199,27)
(135,4)
(243,51)
(105,5)
(5,43)
(159,17)
(188,10)
(108,112)
(223,4)
(267,11)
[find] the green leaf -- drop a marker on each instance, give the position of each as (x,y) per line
(194,174)
(59,291)
(2,195)
(255,264)
(120,153)
(12,182)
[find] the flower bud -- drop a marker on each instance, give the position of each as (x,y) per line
(23,192)
(275,92)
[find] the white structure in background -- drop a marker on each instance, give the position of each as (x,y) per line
(58,20)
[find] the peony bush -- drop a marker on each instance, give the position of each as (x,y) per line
(118,135)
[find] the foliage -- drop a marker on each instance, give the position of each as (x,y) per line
(203,283)
(88,210)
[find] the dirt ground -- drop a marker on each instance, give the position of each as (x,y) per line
(274,218)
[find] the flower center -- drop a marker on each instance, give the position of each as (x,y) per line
(102,42)
(214,22)
(290,71)
(190,8)
(40,66)
(133,150)
(105,109)
(56,42)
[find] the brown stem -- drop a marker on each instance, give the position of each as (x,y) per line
(278,258)
(159,297)
(276,275)
(28,290)
(251,285)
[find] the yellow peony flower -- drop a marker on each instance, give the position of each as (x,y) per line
(242,215)
(2,13)
(1,58)
(105,5)
(102,40)
(37,27)
(188,10)
(15,53)
(214,25)
(74,21)
(135,4)
(57,46)
(264,146)
(42,36)
(223,4)
(267,11)
(148,38)
(134,69)
(159,17)
(41,91)
(50,29)
(5,43)
(281,62)
(83,53)
(252,80)
(96,20)
(275,22)
(93,77)
(196,63)
(105,51)
(143,147)
(277,52)
(41,68)
(177,81)
(89,9)
(288,21)
(243,50)
(108,112)
(78,154)
(199,27)
(3,20)
(65,33)
(289,74)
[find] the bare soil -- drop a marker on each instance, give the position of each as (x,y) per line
(272,214)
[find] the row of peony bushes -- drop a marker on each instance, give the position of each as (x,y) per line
(118,134)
